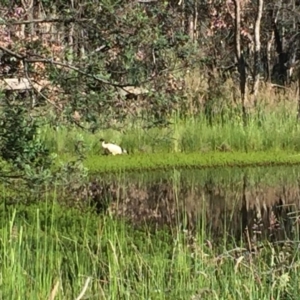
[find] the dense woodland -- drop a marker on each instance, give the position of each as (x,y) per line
(110,58)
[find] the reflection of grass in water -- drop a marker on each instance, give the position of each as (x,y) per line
(273,130)
(219,190)
(45,245)
(221,177)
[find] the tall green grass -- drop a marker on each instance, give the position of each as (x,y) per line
(50,252)
(272,130)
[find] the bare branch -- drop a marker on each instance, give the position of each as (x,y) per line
(65,65)
(28,59)
(146,1)
(12,53)
(39,91)
(46,20)
(48,100)
(51,61)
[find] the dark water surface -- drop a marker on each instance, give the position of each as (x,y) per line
(262,201)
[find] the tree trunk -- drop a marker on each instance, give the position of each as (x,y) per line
(240,58)
(298,92)
(195,16)
(274,17)
(28,8)
(257,61)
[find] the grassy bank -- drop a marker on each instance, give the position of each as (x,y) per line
(274,130)
(157,161)
(270,138)
(48,252)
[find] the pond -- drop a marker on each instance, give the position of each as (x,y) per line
(262,201)
(179,234)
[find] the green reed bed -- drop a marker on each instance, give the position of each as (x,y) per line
(265,131)
(156,161)
(48,252)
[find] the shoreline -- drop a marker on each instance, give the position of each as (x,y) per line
(159,161)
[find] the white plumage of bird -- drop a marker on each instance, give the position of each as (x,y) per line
(112,148)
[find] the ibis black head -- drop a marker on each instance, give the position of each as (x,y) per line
(101,140)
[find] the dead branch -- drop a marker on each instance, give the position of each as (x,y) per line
(12,53)
(45,20)
(146,1)
(28,59)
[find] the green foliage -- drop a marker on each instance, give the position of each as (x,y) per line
(20,143)
(24,149)
(137,47)
(115,43)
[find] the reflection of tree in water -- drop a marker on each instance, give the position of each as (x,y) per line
(263,210)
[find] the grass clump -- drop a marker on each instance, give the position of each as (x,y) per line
(270,138)
(266,131)
(47,249)
(156,161)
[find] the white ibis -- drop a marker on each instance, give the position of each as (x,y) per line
(112,148)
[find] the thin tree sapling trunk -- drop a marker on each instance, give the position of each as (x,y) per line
(240,58)
(257,46)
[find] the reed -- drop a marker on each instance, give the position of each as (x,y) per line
(51,252)
(266,131)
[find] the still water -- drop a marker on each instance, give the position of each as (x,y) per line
(231,202)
